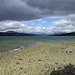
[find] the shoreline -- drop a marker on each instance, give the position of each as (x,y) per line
(19,49)
(40,60)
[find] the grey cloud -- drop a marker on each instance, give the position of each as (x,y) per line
(17,10)
(54,7)
(34,9)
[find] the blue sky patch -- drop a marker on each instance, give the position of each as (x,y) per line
(44,22)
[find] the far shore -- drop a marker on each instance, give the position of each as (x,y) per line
(41,60)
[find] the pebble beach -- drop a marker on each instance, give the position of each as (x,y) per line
(41,60)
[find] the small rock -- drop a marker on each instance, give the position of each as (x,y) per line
(47,65)
(56,63)
(40,60)
(59,67)
(20,59)
(70,52)
(21,68)
(66,51)
(17,63)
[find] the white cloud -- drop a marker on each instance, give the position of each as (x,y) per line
(39,20)
(64,25)
(44,22)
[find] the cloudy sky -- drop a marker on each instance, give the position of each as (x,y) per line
(37,16)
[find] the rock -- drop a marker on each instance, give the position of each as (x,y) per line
(17,63)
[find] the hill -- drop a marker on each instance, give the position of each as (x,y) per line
(67,34)
(12,33)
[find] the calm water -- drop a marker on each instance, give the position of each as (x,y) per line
(14,43)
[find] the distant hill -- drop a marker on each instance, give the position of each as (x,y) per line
(66,34)
(12,33)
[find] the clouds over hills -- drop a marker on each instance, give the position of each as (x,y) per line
(13,13)
(66,24)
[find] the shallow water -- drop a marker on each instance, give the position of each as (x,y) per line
(14,43)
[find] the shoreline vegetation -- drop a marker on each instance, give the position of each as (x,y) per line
(46,59)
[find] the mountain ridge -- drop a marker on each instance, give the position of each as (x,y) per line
(66,34)
(13,33)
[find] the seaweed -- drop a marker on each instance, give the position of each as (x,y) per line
(68,70)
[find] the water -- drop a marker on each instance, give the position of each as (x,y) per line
(14,43)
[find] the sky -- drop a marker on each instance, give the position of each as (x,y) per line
(37,16)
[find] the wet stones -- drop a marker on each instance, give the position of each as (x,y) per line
(69,51)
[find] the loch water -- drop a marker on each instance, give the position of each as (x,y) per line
(14,43)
